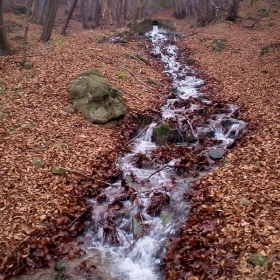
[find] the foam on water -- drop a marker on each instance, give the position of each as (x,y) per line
(137,259)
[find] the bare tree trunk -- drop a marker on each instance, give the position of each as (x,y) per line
(140,7)
(98,12)
(84,15)
(48,25)
(63,31)
(233,10)
(4,44)
(23,59)
(42,9)
(91,2)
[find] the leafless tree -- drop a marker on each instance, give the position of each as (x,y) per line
(48,25)
(4,44)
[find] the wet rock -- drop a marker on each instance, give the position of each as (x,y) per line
(216,153)
(97,99)
(38,162)
(57,170)
(137,226)
(164,134)
(229,122)
(165,217)
(203,132)
(189,138)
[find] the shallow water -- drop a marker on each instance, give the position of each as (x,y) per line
(141,236)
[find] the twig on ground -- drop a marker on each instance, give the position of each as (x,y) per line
(158,170)
(131,140)
(76,219)
(87,176)
(193,133)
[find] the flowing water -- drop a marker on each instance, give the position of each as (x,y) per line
(142,237)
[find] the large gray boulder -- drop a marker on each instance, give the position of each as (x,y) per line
(97,99)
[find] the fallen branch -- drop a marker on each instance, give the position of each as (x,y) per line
(133,95)
(76,219)
(87,176)
(160,169)
(260,17)
(150,88)
(131,140)
(192,131)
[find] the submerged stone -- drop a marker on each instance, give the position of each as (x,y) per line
(203,132)
(216,153)
(164,134)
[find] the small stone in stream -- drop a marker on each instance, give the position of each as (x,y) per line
(258,259)
(38,162)
(203,132)
(60,266)
(57,170)
(229,122)
(137,226)
(69,109)
(164,217)
(216,153)
(243,201)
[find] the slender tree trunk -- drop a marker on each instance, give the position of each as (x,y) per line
(23,59)
(42,9)
(140,7)
(63,31)
(91,3)
(48,25)
(4,45)
(233,10)
(84,14)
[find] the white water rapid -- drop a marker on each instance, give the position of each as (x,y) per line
(143,237)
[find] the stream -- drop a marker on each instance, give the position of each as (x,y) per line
(141,211)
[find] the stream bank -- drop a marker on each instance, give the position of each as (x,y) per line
(204,128)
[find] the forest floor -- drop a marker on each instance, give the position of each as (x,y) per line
(37,208)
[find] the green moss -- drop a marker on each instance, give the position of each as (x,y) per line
(146,61)
(219,44)
(162,133)
(121,74)
(262,9)
(151,81)
(271,24)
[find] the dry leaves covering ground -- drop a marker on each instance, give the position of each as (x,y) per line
(248,76)
(34,124)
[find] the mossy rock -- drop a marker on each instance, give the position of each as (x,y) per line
(38,162)
(27,65)
(219,44)
(163,134)
(57,170)
(256,259)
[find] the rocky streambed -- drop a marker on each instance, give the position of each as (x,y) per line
(134,216)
